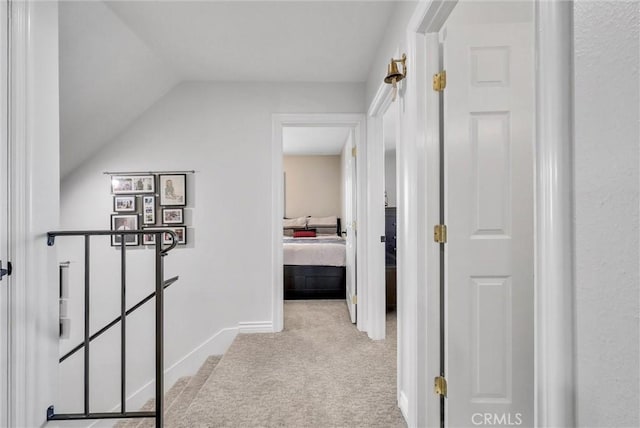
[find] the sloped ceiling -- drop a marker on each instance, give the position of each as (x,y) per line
(261,41)
(108,77)
(118,58)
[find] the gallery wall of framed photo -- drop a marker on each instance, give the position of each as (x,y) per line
(149,201)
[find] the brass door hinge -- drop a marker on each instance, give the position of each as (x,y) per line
(354,151)
(440,386)
(440,233)
(440,81)
(354,299)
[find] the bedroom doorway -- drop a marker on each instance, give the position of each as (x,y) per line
(317,189)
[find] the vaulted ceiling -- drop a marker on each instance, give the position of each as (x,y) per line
(119,58)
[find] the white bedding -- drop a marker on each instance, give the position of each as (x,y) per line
(318,251)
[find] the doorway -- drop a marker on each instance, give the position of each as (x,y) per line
(319,207)
(348,158)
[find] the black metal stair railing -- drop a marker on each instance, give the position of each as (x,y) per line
(160,285)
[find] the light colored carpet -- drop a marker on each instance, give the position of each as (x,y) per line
(177,399)
(169,398)
(176,411)
(319,372)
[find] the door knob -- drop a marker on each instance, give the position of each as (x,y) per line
(6,271)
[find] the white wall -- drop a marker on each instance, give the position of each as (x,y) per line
(223,131)
(606,212)
(312,186)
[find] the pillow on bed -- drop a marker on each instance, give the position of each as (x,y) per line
(330,221)
(304,234)
(294,223)
(333,230)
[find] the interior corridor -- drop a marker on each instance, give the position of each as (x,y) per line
(320,371)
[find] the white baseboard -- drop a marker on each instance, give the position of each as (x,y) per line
(403,404)
(255,327)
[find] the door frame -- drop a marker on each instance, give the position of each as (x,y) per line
(554,324)
(356,122)
(33,141)
(4,164)
(375,212)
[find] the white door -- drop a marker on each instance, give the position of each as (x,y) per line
(489,122)
(348,223)
(4,282)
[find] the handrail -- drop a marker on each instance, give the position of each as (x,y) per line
(160,285)
(98,333)
(51,236)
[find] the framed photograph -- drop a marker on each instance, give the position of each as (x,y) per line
(180,231)
(173,190)
(149,239)
(127,184)
(124,204)
(124,222)
(172,215)
(148,209)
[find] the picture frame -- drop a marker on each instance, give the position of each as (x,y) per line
(180,231)
(130,184)
(173,189)
(148,209)
(149,239)
(124,222)
(173,215)
(124,204)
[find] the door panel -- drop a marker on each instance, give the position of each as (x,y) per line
(348,222)
(489,213)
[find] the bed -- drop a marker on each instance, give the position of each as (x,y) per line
(314,266)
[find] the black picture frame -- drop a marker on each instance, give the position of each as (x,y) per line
(172,215)
(180,231)
(124,203)
(132,184)
(173,190)
(149,239)
(124,222)
(148,209)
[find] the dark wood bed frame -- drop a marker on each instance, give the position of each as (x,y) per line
(315,282)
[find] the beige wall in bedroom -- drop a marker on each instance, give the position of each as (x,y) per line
(312,186)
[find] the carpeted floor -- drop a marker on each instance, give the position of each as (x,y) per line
(319,372)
